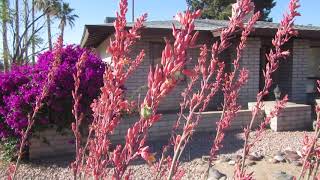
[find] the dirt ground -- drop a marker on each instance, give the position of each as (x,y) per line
(263,170)
(56,168)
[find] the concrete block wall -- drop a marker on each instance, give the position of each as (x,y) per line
(301,53)
(251,60)
(293,117)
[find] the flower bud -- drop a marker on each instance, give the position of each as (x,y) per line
(146,112)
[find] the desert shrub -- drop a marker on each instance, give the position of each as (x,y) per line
(8,148)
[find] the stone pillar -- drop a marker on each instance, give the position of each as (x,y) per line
(251,60)
(301,53)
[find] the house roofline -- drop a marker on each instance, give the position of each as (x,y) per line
(96,33)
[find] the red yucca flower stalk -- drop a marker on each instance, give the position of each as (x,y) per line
(232,85)
(12,170)
(209,87)
(161,81)
(108,107)
(284,34)
(311,148)
(76,112)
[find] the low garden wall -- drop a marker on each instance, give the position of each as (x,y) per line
(51,143)
(60,144)
(293,117)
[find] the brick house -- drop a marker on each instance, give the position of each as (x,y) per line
(295,77)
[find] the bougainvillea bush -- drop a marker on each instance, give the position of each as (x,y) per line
(20,87)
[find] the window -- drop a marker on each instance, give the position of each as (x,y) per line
(156,49)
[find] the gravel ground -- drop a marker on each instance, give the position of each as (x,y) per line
(57,168)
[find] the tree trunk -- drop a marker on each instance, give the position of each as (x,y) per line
(16,30)
(25,57)
(4,19)
(62,30)
(33,40)
(49,32)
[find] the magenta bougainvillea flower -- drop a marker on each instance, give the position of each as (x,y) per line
(20,87)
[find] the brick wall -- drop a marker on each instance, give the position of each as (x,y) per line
(251,60)
(50,143)
(301,53)
(137,82)
(59,144)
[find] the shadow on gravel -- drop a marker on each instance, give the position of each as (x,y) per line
(199,145)
(62,161)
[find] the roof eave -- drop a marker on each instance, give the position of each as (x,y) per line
(270,32)
(84,37)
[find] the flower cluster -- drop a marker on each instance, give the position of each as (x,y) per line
(20,87)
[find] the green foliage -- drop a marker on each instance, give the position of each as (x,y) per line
(265,7)
(4,13)
(65,14)
(146,112)
(221,9)
(212,9)
(9,148)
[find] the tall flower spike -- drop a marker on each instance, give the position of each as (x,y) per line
(284,34)
(108,107)
(161,80)
(211,77)
(31,118)
(78,116)
(311,148)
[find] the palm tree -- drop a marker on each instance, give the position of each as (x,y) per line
(32,32)
(17,27)
(66,16)
(4,20)
(26,21)
(50,8)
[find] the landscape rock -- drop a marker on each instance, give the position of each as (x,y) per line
(299,153)
(251,163)
(214,174)
(205,158)
(279,158)
(232,162)
(223,159)
(273,161)
(255,157)
(280,175)
(238,157)
(291,156)
(296,163)
(279,153)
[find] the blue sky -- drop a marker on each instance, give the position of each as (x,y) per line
(94,12)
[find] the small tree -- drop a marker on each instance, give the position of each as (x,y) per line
(221,9)
(66,16)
